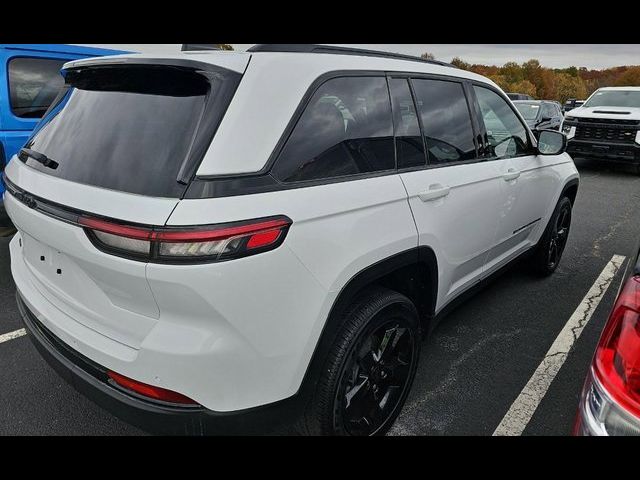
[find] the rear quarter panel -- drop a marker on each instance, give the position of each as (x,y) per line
(272,307)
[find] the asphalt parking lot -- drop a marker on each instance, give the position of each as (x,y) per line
(473,367)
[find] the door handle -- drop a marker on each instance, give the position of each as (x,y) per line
(434,192)
(512,174)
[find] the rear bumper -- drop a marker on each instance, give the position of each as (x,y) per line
(189,329)
(90,379)
(628,153)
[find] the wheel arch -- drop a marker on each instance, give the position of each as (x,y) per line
(570,190)
(413,273)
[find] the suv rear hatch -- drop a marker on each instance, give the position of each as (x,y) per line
(124,139)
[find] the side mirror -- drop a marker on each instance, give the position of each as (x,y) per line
(545,119)
(551,142)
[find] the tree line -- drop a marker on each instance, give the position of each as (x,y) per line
(551,83)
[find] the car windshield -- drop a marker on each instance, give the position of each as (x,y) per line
(528,110)
(614,98)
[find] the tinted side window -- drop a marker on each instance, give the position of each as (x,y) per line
(446,120)
(33,84)
(506,135)
(346,129)
(409,144)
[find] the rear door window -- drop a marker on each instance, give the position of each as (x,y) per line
(130,129)
(446,121)
(33,84)
(346,129)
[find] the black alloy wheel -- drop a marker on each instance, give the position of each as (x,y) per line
(368,368)
(547,254)
(559,237)
(375,377)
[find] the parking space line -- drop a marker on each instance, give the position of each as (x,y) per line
(523,408)
(11,335)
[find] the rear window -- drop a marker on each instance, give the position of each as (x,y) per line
(135,129)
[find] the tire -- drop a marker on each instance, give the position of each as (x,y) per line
(549,251)
(354,379)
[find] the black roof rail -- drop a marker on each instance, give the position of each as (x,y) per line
(314,48)
(194,47)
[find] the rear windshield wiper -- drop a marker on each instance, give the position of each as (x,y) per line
(39,157)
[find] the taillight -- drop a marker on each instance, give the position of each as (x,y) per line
(208,243)
(135,240)
(617,359)
(155,393)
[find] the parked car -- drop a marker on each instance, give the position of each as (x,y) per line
(610,401)
(29,81)
(540,114)
(519,96)
(191,280)
(571,104)
(606,128)
(560,106)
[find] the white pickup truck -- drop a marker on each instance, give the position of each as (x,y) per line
(606,127)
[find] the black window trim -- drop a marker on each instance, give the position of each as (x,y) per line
(533,144)
(393,124)
(32,57)
(395,139)
(478,125)
(316,84)
(263,181)
(420,126)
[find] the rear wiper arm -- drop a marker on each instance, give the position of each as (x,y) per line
(39,157)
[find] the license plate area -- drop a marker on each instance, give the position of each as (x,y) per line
(48,262)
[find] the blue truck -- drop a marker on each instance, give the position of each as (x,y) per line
(29,81)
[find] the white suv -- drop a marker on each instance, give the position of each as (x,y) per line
(219,241)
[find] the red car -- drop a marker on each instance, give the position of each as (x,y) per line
(610,401)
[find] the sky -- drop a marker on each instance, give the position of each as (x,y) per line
(595,56)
